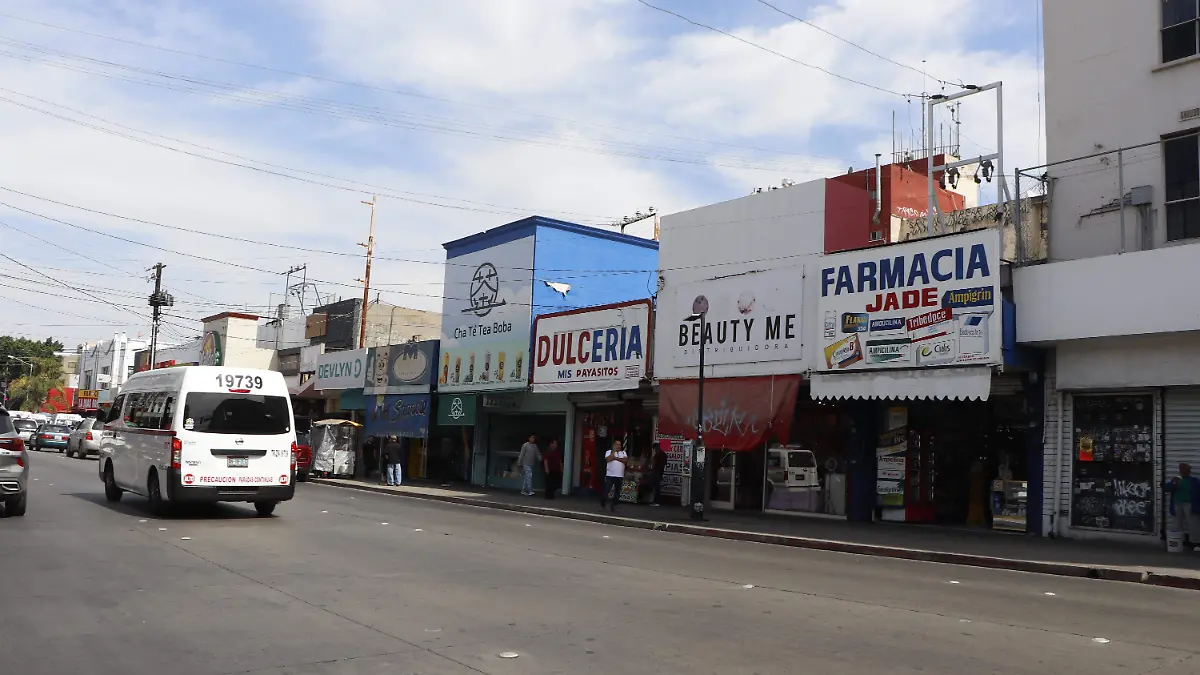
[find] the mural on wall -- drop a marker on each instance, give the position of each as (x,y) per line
(486,319)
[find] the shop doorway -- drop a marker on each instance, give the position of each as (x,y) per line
(735,479)
(506,435)
(955,453)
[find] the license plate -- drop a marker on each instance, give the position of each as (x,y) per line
(239,462)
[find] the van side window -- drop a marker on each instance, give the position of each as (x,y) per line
(114,413)
(168,414)
(145,410)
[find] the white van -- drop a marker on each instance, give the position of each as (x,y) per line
(201,434)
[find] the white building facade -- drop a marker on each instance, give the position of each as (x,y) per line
(105,365)
(1115,308)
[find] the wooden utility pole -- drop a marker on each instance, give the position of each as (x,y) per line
(366,280)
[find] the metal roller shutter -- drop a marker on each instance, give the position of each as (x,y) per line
(1182,437)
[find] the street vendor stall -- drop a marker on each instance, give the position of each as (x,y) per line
(335,444)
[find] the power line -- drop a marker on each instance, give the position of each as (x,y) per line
(855,44)
(515,209)
(367,114)
(363,85)
(772,51)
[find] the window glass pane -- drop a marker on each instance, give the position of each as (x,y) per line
(6,424)
(801,460)
(217,413)
(1181,157)
(1183,220)
(1177,11)
(1179,42)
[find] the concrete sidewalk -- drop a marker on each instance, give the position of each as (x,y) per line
(979,548)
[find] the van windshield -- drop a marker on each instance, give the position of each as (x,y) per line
(247,414)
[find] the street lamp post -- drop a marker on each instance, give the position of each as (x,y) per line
(699,480)
(21,360)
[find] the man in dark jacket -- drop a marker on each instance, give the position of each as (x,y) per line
(1183,493)
(394,454)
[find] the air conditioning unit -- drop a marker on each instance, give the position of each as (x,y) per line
(1189,115)
(876,236)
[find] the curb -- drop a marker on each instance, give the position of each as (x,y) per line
(833,545)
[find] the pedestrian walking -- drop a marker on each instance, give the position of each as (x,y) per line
(527,459)
(1184,492)
(658,468)
(393,452)
(615,459)
(552,464)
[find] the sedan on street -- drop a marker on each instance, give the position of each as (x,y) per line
(85,439)
(51,437)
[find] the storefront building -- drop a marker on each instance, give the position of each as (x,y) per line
(921,332)
(600,358)
(1122,387)
(497,281)
(398,392)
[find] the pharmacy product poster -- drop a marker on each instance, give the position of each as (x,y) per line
(934,302)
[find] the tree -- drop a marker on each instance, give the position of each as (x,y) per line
(25,349)
(33,389)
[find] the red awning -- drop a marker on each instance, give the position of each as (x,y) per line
(740,413)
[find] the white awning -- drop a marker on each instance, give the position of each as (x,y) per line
(935,383)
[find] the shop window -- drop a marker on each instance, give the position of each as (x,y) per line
(1112,481)
(1180,29)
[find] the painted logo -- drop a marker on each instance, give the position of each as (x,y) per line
(940,350)
(855,322)
(189,479)
(456,409)
(928,319)
(982,296)
(485,291)
(843,353)
(896,350)
(283,479)
(973,335)
(891,324)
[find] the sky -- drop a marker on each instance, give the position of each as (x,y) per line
(137,132)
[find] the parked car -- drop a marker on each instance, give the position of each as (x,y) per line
(51,436)
(303,454)
(14,468)
(25,428)
(85,438)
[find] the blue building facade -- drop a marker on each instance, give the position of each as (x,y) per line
(496,283)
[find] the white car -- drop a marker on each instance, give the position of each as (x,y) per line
(85,438)
(201,434)
(25,428)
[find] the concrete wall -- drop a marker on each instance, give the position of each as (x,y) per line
(1106,88)
(777,229)
(390,324)
(1133,294)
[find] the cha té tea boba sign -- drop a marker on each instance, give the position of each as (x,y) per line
(934,302)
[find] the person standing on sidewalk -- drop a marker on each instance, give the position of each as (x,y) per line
(1184,491)
(615,460)
(527,459)
(552,464)
(394,454)
(658,468)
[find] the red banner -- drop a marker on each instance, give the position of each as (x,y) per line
(740,413)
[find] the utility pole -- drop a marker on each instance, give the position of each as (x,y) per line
(287,290)
(366,280)
(158,300)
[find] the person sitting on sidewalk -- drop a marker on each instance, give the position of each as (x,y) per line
(1184,493)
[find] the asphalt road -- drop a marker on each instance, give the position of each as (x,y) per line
(342,582)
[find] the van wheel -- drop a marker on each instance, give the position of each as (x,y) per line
(111,492)
(265,509)
(154,494)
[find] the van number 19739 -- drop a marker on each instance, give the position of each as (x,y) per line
(240,381)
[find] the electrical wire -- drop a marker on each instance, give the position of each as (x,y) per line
(363,85)
(776,53)
(855,44)
(367,114)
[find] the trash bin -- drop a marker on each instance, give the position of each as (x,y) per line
(1174,541)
